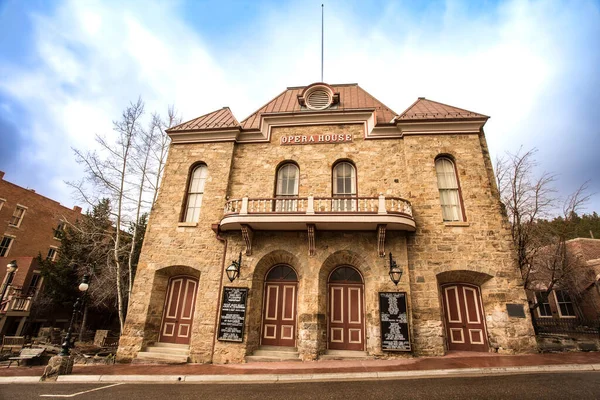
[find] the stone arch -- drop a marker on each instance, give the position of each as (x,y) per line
(464,276)
(157,297)
(255,296)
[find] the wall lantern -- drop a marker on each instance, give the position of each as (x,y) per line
(233,271)
(395,271)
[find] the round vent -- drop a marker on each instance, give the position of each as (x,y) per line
(318,99)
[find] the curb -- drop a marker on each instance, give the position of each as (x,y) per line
(319,377)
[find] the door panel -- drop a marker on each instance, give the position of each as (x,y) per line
(465,326)
(179,310)
(279,314)
(346,328)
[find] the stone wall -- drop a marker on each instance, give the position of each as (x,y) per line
(478,251)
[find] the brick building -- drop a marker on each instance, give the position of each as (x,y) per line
(313,204)
(31,224)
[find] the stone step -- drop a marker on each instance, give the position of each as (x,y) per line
(275,354)
(269,359)
(345,355)
(167,350)
(279,348)
(162,358)
(172,345)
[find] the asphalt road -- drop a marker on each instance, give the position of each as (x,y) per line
(573,385)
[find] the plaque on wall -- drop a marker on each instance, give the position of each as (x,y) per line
(515,310)
(393,315)
(233,314)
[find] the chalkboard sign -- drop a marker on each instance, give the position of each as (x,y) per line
(233,314)
(394,321)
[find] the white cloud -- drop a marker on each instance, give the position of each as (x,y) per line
(518,63)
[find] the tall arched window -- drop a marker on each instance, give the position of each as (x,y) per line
(288,177)
(195,193)
(344,187)
(449,190)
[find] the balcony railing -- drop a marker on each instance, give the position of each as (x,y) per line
(16,304)
(319,205)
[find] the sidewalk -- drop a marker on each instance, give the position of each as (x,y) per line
(457,363)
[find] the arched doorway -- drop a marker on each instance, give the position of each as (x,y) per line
(345,306)
(279,307)
(463,311)
(178,314)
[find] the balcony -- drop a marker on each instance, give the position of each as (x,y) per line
(18,305)
(317,213)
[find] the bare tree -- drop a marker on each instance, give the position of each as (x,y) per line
(542,254)
(160,146)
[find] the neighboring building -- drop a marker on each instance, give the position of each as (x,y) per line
(315,189)
(575,297)
(31,224)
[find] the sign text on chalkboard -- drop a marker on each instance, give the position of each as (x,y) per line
(393,315)
(233,314)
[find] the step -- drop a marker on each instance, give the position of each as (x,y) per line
(279,348)
(269,359)
(345,355)
(146,356)
(167,350)
(172,345)
(275,354)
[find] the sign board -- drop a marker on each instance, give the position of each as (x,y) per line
(515,310)
(316,139)
(393,315)
(233,314)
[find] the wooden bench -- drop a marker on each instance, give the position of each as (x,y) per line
(12,342)
(26,354)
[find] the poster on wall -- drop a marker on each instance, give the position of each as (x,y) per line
(233,314)
(394,321)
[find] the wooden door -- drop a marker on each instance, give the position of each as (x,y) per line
(465,326)
(346,310)
(279,311)
(178,314)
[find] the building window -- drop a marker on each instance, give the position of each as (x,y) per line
(566,308)
(544,305)
(195,193)
(449,190)
(59,231)
(17,216)
(344,187)
(51,254)
(34,285)
(2,201)
(5,245)
(288,177)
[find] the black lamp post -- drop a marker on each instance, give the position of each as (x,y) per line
(233,271)
(11,268)
(395,271)
(83,287)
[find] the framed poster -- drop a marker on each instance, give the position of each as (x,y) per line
(233,314)
(393,316)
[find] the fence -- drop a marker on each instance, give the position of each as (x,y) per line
(564,326)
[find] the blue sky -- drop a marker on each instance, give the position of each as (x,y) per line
(68,68)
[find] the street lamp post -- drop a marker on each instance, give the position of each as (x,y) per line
(83,287)
(11,268)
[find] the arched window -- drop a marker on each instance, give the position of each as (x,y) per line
(449,190)
(288,177)
(344,187)
(195,193)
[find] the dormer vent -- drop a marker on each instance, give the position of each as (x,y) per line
(318,96)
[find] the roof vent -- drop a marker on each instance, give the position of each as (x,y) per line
(318,97)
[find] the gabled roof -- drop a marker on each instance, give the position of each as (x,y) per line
(219,119)
(352,96)
(424,109)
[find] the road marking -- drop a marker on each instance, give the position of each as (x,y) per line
(77,394)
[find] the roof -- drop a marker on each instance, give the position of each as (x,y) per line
(219,119)
(588,249)
(352,96)
(424,109)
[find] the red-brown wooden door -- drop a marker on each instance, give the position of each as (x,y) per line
(279,311)
(178,314)
(465,326)
(346,311)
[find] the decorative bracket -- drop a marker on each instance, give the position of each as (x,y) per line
(381,239)
(311,239)
(247,234)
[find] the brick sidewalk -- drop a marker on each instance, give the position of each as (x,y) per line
(451,361)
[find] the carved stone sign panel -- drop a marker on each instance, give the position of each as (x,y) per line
(315,139)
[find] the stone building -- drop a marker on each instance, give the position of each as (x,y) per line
(322,196)
(31,224)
